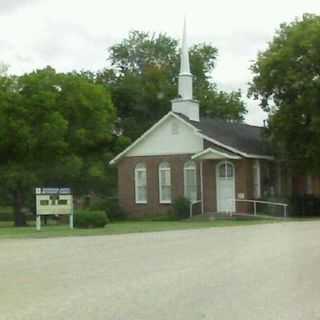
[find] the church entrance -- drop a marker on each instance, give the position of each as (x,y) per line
(225,182)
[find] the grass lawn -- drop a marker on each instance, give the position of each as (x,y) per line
(9,232)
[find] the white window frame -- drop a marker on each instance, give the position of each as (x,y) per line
(140,167)
(257,175)
(190,166)
(309,189)
(164,166)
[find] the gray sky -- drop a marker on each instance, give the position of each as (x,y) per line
(75,34)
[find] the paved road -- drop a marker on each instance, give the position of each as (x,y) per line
(251,272)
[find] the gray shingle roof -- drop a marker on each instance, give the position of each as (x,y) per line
(243,137)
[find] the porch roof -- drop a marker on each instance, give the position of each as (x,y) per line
(215,154)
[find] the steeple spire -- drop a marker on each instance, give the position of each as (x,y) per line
(185,64)
(185,104)
(185,76)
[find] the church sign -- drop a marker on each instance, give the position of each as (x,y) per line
(53,201)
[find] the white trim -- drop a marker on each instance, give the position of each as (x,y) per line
(309,189)
(208,150)
(114,160)
(160,186)
(136,170)
(221,144)
(244,154)
(190,168)
(279,173)
(257,166)
(196,131)
(218,180)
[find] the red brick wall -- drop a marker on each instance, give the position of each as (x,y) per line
(299,185)
(243,183)
(127,188)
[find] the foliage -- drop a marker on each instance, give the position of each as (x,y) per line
(305,205)
(55,131)
(113,210)
(143,81)
(287,83)
(181,208)
(6,214)
(90,219)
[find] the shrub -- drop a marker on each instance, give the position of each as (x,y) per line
(113,210)
(6,214)
(90,219)
(181,208)
(98,204)
(304,205)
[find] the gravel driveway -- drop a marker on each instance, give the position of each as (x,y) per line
(260,272)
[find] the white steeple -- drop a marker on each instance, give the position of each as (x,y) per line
(185,104)
(185,76)
(185,65)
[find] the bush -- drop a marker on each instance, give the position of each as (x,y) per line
(98,204)
(90,219)
(113,210)
(6,214)
(181,208)
(304,206)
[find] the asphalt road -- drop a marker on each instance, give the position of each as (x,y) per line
(250,272)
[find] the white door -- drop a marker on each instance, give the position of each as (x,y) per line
(225,179)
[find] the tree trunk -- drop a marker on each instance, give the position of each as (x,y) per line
(19,217)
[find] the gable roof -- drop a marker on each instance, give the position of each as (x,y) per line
(238,138)
(247,139)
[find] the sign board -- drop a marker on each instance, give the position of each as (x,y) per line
(53,201)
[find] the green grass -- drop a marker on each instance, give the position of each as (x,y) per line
(7,231)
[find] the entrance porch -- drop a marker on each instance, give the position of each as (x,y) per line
(224,177)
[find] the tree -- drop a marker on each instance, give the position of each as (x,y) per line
(3,69)
(52,126)
(143,80)
(287,83)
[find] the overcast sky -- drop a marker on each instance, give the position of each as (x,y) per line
(75,34)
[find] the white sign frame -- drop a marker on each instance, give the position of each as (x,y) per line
(53,201)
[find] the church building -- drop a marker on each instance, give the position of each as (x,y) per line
(212,162)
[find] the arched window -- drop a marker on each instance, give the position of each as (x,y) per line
(190,181)
(140,179)
(164,182)
(226,170)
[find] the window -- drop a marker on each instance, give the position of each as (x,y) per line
(165,182)
(62,202)
(190,181)
(226,170)
(256,180)
(309,185)
(44,202)
(140,177)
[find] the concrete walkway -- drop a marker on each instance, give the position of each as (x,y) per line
(260,272)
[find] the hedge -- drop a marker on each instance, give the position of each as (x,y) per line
(90,219)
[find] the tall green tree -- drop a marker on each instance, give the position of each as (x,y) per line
(55,129)
(143,80)
(287,84)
